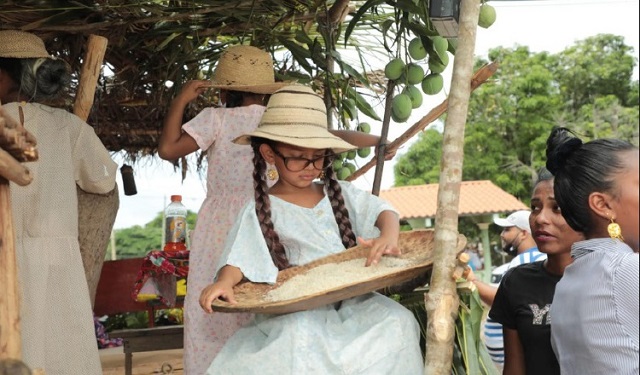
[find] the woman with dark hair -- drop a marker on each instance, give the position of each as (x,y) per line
(525,294)
(596,304)
(56,319)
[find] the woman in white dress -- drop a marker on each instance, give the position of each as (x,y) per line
(57,328)
(295,222)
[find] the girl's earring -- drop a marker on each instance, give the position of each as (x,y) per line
(272,173)
(322,175)
(615,232)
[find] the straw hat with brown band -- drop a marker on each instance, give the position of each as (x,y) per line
(297,116)
(21,45)
(246,68)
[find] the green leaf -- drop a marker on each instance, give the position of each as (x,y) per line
(299,53)
(356,18)
(318,54)
(303,37)
(421,30)
(351,71)
(165,42)
(408,6)
(362,104)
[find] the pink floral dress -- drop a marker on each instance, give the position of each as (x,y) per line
(229,187)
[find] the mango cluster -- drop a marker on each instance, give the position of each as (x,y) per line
(409,76)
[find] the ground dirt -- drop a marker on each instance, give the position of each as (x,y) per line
(145,363)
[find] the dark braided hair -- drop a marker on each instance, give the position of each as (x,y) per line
(334,191)
(581,169)
(263,208)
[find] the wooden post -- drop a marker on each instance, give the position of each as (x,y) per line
(10,342)
(96,213)
(96,216)
(91,66)
(20,146)
(442,300)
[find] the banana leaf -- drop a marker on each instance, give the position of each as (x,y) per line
(470,356)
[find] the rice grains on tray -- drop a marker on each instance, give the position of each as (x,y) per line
(329,276)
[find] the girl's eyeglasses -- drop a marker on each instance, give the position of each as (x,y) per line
(296,163)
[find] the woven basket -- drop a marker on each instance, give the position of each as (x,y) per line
(417,249)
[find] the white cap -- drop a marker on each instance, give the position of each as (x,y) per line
(518,219)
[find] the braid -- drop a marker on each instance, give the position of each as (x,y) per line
(334,191)
(263,210)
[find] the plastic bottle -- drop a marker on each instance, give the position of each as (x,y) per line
(175,225)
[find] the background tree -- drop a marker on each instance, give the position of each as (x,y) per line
(587,87)
(137,241)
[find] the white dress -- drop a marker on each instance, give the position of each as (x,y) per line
(370,334)
(58,334)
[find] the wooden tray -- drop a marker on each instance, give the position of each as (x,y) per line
(417,258)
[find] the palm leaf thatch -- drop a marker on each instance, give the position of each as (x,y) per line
(154,46)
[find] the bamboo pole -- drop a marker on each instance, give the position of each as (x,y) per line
(442,300)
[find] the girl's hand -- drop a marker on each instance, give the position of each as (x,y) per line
(379,246)
(191,90)
(214,291)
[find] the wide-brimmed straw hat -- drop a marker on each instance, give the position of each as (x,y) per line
(297,116)
(246,68)
(21,45)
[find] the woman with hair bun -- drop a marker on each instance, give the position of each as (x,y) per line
(594,329)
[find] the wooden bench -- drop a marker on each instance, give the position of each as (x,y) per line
(113,296)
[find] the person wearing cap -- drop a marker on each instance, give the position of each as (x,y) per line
(296,221)
(517,241)
(245,77)
(56,316)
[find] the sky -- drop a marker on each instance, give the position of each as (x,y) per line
(541,25)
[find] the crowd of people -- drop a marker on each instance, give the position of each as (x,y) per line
(274,202)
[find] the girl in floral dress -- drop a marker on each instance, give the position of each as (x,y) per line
(245,76)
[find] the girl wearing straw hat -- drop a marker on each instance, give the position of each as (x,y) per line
(56,317)
(294,222)
(245,76)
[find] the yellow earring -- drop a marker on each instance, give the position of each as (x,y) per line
(272,174)
(322,175)
(615,232)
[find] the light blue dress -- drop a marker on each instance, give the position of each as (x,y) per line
(370,334)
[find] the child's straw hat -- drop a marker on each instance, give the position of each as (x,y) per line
(21,45)
(296,115)
(246,68)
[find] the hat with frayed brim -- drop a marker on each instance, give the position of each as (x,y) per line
(247,69)
(297,116)
(21,45)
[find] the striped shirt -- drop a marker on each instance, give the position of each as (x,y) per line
(595,310)
(493,330)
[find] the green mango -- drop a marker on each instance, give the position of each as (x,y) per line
(416,49)
(487,16)
(394,68)
(432,84)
